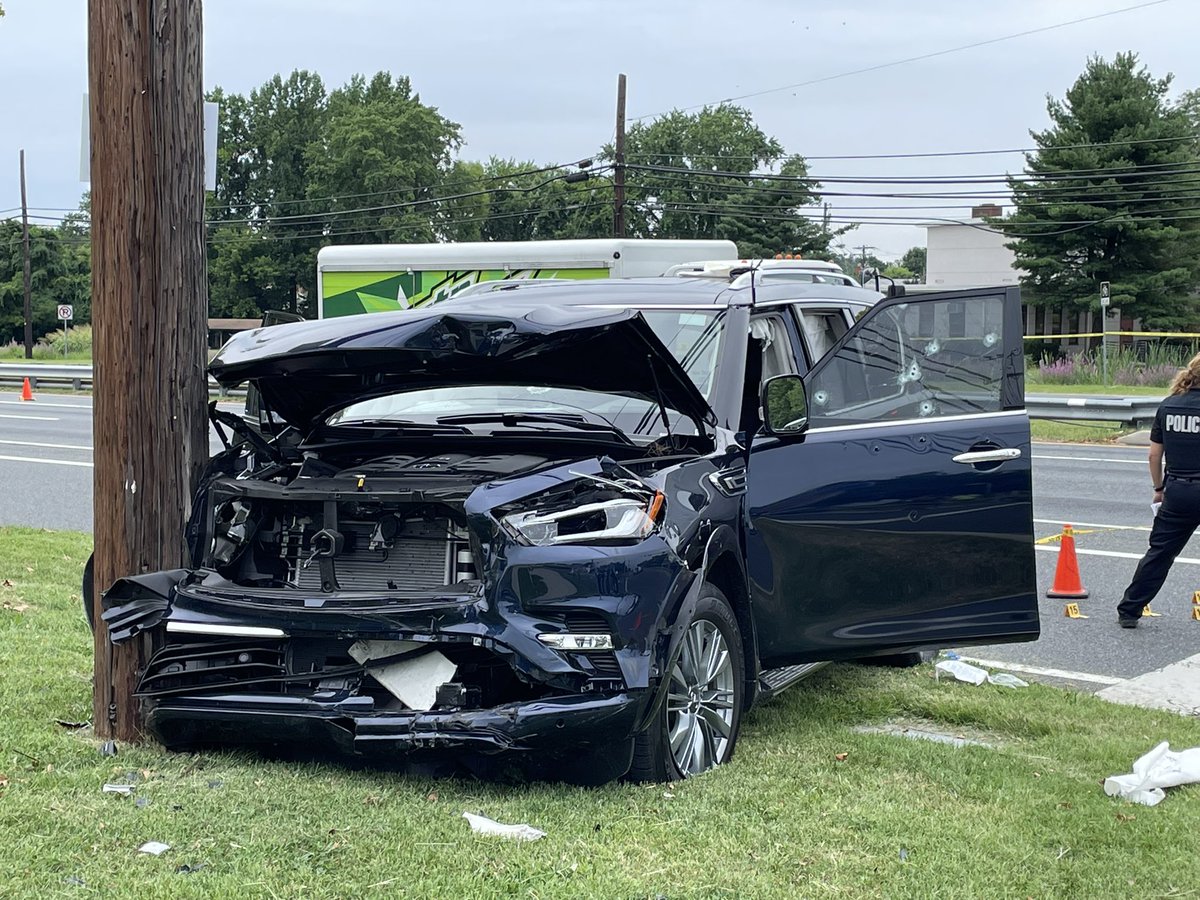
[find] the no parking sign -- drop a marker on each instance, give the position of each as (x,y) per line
(66,312)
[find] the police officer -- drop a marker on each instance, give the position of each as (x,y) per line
(1176,433)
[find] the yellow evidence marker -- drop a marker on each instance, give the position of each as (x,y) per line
(1072,611)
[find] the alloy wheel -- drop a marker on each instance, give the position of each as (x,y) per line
(700,699)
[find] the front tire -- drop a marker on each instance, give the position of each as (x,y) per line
(697,726)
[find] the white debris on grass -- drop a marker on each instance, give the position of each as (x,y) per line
(154,848)
(484,825)
(123,789)
(974,675)
(1161,768)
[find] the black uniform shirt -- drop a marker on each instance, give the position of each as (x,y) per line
(1177,428)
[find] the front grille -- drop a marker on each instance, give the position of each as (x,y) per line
(578,621)
(598,664)
(211,665)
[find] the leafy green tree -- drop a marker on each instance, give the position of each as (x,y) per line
(898,272)
(914,259)
(59,273)
(300,167)
(383,141)
(522,201)
(674,189)
(1104,198)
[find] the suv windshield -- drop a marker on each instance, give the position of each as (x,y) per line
(692,336)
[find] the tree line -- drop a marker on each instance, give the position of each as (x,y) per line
(1107,195)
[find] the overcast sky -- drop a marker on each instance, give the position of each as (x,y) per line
(537,80)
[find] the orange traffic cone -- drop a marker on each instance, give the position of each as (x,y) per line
(26,391)
(1066,576)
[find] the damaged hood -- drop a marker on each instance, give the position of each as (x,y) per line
(305,370)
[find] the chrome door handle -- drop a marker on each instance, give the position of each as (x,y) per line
(981,456)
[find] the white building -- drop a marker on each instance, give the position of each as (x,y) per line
(968,254)
(972,254)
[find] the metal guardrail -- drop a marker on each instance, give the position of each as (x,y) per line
(73,376)
(1136,412)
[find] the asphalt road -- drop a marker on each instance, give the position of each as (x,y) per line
(46,481)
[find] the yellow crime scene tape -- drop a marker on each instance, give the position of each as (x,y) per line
(1090,334)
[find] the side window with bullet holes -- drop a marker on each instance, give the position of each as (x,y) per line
(925,358)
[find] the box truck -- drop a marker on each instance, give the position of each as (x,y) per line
(355,279)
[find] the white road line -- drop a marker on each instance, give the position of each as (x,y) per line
(31,418)
(49,462)
(1040,670)
(50,446)
(1077,524)
(1116,554)
(1102,459)
(45,404)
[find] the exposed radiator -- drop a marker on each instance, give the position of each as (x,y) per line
(424,554)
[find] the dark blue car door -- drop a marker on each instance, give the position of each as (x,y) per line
(902,518)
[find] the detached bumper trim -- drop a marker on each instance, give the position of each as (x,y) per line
(263,631)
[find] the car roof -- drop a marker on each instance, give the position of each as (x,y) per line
(646,292)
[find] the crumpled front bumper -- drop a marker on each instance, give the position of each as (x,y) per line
(585,710)
(577,722)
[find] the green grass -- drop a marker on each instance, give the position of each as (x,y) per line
(1068,431)
(786,819)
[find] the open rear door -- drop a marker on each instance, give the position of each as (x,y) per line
(902,518)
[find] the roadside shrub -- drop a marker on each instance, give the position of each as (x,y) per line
(1152,366)
(79,344)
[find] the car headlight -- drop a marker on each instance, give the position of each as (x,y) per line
(623,519)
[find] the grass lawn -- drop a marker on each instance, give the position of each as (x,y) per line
(1075,432)
(895,817)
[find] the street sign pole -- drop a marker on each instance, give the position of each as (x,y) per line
(1104,300)
(66,312)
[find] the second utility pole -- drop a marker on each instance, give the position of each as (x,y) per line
(619,163)
(25,254)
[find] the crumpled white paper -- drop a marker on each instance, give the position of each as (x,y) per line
(484,825)
(1161,768)
(155,848)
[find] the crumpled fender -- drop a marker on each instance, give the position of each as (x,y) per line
(138,603)
(675,621)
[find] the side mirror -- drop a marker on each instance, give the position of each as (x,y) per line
(785,405)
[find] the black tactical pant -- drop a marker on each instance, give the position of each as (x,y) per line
(1177,520)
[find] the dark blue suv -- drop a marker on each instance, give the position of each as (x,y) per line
(584,527)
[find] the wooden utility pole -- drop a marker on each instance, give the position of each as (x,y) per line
(149,303)
(619,163)
(25,256)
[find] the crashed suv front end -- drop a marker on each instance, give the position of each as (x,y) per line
(380,590)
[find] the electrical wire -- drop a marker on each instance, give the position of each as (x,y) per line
(924,56)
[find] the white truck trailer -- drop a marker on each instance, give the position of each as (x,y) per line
(377,277)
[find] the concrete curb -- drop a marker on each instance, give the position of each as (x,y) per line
(1175,688)
(1136,439)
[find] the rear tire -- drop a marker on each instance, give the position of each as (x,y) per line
(900,660)
(697,726)
(88,583)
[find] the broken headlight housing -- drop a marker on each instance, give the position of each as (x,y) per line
(620,519)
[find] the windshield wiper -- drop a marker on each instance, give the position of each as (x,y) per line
(402,425)
(513,419)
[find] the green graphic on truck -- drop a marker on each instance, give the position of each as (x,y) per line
(350,293)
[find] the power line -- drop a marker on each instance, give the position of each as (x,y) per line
(920,58)
(929,155)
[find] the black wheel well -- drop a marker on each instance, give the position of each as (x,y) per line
(726,575)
